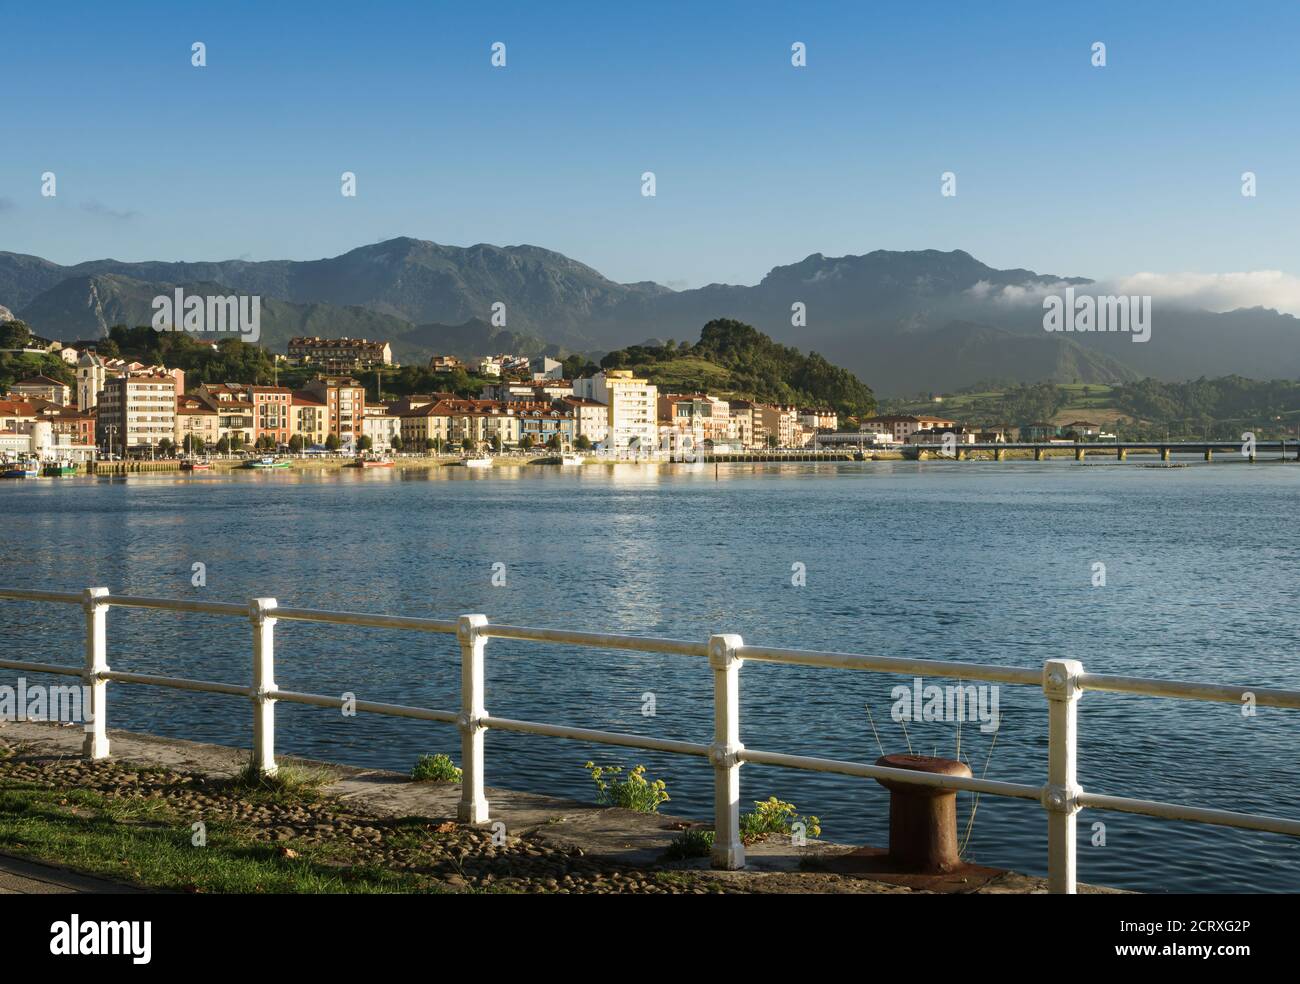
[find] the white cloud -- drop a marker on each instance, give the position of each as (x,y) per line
(1218,291)
(1205,291)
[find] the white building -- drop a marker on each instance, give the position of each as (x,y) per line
(380,426)
(633,407)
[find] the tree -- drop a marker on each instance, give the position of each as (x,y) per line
(772,441)
(554,441)
(432,444)
(297,443)
(364,443)
(467,443)
(194,444)
(526,442)
(166,447)
(396,442)
(223,445)
(496,442)
(583,443)
(332,443)
(237,441)
(14,335)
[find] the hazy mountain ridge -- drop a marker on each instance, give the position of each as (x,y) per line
(903,321)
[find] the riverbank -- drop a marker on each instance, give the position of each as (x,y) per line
(172,815)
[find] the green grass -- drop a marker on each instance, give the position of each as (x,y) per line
(288,784)
(694,843)
(145,843)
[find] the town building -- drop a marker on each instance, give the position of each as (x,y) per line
(527,391)
(445,363)
(345,406)
(310,419)
(236,415)
(781,422)
(542,367)
(272,413)
(197,424)
(381,426)
(705,419)
(42,388)
(591,419)
(339,355)
(542,423)
(136,412)
(900,427)
(632,407)
(819,418)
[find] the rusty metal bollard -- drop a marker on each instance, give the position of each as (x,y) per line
(923,819)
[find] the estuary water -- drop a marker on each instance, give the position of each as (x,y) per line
(981,562)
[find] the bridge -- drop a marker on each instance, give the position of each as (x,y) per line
(1119,450)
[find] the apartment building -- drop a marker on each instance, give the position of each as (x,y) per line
(705,419)
(591,419)
(339,355)
(542,424)
(236,415)
(423,423)
(632,404)
(533,391)
(345,406)
(310,419)
(272,413)
(819,418)
(42,388)
(381,426)
(899,427)
(137,412)
(197,419)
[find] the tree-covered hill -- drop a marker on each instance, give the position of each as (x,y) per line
(735,359)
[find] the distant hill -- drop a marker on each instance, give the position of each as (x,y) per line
(905,321)
(86,307)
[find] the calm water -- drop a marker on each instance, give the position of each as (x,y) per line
(980,562)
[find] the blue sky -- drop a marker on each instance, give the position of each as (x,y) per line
(1060,166)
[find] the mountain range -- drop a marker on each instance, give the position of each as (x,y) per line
(904,322)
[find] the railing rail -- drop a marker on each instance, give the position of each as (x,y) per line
(1062,683)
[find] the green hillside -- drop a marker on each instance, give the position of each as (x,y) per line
(736,360)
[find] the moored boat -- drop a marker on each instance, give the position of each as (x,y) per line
(364,462)
(476,462)
(60,468)
(19,469)
(190,464)
(267,461)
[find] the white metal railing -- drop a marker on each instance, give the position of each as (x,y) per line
(1062,681)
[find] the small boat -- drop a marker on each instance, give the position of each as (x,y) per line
(373,463)
(571,459)
(58,469)
(20,469)
(191,465)
(267,461)
(476,462)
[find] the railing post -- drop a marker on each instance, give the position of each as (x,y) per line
(1061,794)
(473,801)
(724,753)
(94,602)
(260,615)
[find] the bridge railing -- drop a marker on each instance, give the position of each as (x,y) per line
(1061,682)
